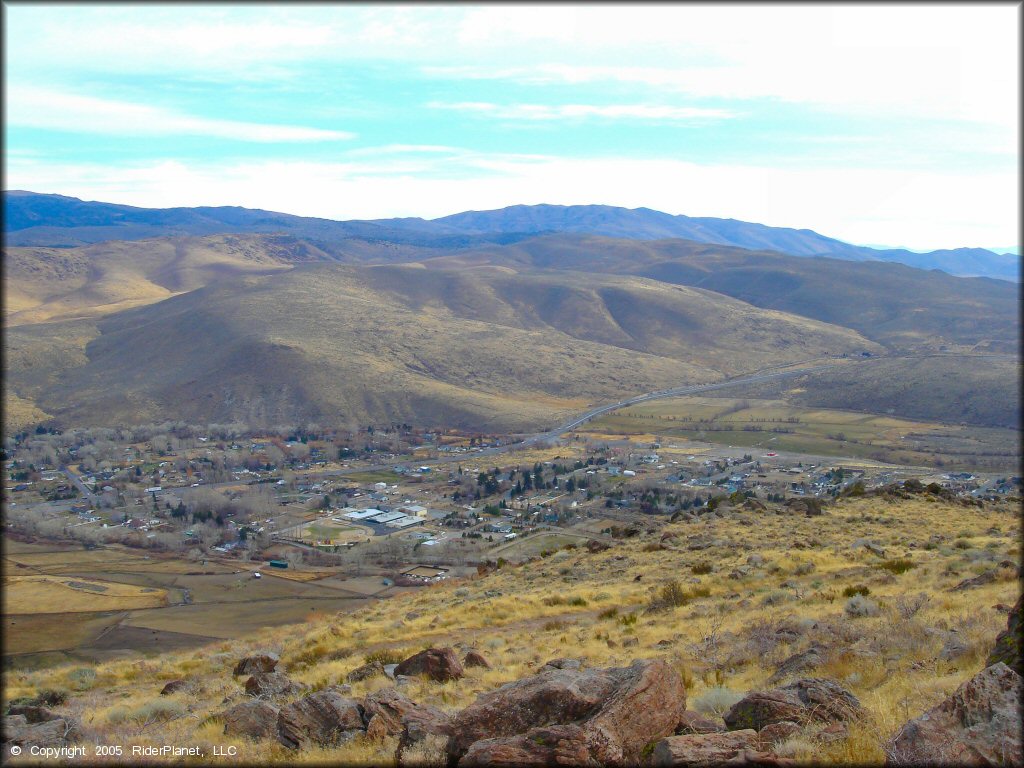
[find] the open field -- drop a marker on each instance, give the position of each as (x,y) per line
(333,533)
(777,425)
(51,594)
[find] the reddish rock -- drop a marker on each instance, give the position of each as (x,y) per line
(807,700)
(776,733)
(252,719)
(377,729)
(440,664)
(270,684)
(264,661)
(324,718)
(393,713)
(1009,645)
(365,672)
(978,725)
(703,749)
(693,722)
(173,687)
(606,715)
(476,659)
(833,732)
(555,745)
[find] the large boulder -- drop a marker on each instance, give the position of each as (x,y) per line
(703,749)
(440,664)
(174,686)
(1010,642)
(265,661)
(558,715)
(806,700)
(568,745)
(978,725)
(267,685)
(388,712)
(324,718)
(252,719)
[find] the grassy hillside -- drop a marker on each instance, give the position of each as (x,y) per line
(759,588)
(45,284)
(487,347)
(897,306)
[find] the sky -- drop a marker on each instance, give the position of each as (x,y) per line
(876,124)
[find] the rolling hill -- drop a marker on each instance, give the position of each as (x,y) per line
(483,348)
(895,305)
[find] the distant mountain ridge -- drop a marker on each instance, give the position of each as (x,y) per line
(47,220)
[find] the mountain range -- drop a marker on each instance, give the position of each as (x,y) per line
(465,326)
(57,220)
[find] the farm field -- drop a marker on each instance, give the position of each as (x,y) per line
(776,425)
(51,594)
(74,603)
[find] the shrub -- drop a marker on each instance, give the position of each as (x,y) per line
(859,589)
(552,626)
(82,678)
(702,569)
(859,606)
(628,620)
(803,569)
(608,613)
(577,601)
(901,565)
(51,697)
(159,710)
(716,701)
(775,597)
(907,606)
(673,595)
(554,600)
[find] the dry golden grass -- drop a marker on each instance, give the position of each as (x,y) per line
(70,594)
(587,605)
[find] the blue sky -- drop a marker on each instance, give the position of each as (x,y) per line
(876,124)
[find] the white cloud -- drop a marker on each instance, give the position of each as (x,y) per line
(922,210)
(578,111)
(55,110)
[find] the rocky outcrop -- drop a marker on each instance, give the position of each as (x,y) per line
(265,661)
(807,700)
(389,712)
(571,716)
(1010,642)
(440,664)
(694,722)
(704,749)
(776,733)
(325,718)
(25,728)
(252,719)
(270,684)
(799,662)
(365,672)
(978,725)
(988,577)
(475,659)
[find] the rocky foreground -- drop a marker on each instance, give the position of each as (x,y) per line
(567,714)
